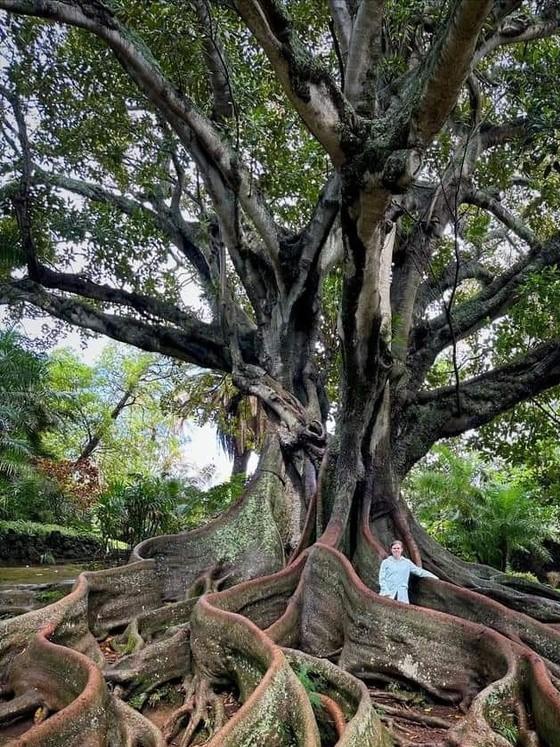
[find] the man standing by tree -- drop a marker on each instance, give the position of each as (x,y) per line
(394,574)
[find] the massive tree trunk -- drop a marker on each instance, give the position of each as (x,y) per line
(275,603)
(223,609)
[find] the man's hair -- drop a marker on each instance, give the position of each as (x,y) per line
(396,542)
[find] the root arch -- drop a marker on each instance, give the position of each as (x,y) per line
(298,644)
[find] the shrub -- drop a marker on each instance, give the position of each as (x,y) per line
(144,508)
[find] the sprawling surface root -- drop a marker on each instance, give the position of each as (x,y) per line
(243,543)
(296,647)
(72,687)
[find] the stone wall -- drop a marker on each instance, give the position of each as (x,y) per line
(18,548)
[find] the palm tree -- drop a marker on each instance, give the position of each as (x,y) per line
(240,420)
(508,520)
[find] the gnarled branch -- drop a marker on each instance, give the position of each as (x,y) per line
(195,343)
(433,414)
(447,66)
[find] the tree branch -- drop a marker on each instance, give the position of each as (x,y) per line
(308,85)
(216,61)
(342,22)
(511,34)
(363,56)
(314,237)
(430,338)
(488,202)
(433,289)
(165,218)
(447,67)
(433,414)
(195,342)
(493,135)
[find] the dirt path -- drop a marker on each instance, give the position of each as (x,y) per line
(413,719)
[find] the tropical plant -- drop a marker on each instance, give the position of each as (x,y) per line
(24,411)
(143,507)
(28,409)
(509,519)
(480,511)
(240,421)
(198,504)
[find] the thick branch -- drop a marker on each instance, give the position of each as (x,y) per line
(314,237)
(196,343)
(342,21)
(511,34)
(448,66)
(433,415)
(492,135)
(433,289)
(307,84)
(363,56)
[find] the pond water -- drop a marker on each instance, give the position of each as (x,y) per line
(27,588)
(46,574)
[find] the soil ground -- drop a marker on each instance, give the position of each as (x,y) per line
(407,726)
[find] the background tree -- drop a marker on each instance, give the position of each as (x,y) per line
(481,511)
(114,407)
(252,150)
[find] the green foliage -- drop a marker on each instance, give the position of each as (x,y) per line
(24,413)
(53,595)
(146,506)
(143,508)
(524,575)
(211,397)
(137,701)
(199,506)
(32,497)
(141,429)
(479,511)
(500,714)
(38,528)
(313,683)
(534,318)
(329,355)
(528,435)
(164,694)
(27,410)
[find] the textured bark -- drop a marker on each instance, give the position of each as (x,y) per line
(259,634)
(284,584)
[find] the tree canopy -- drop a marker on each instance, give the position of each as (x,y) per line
(193,208)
